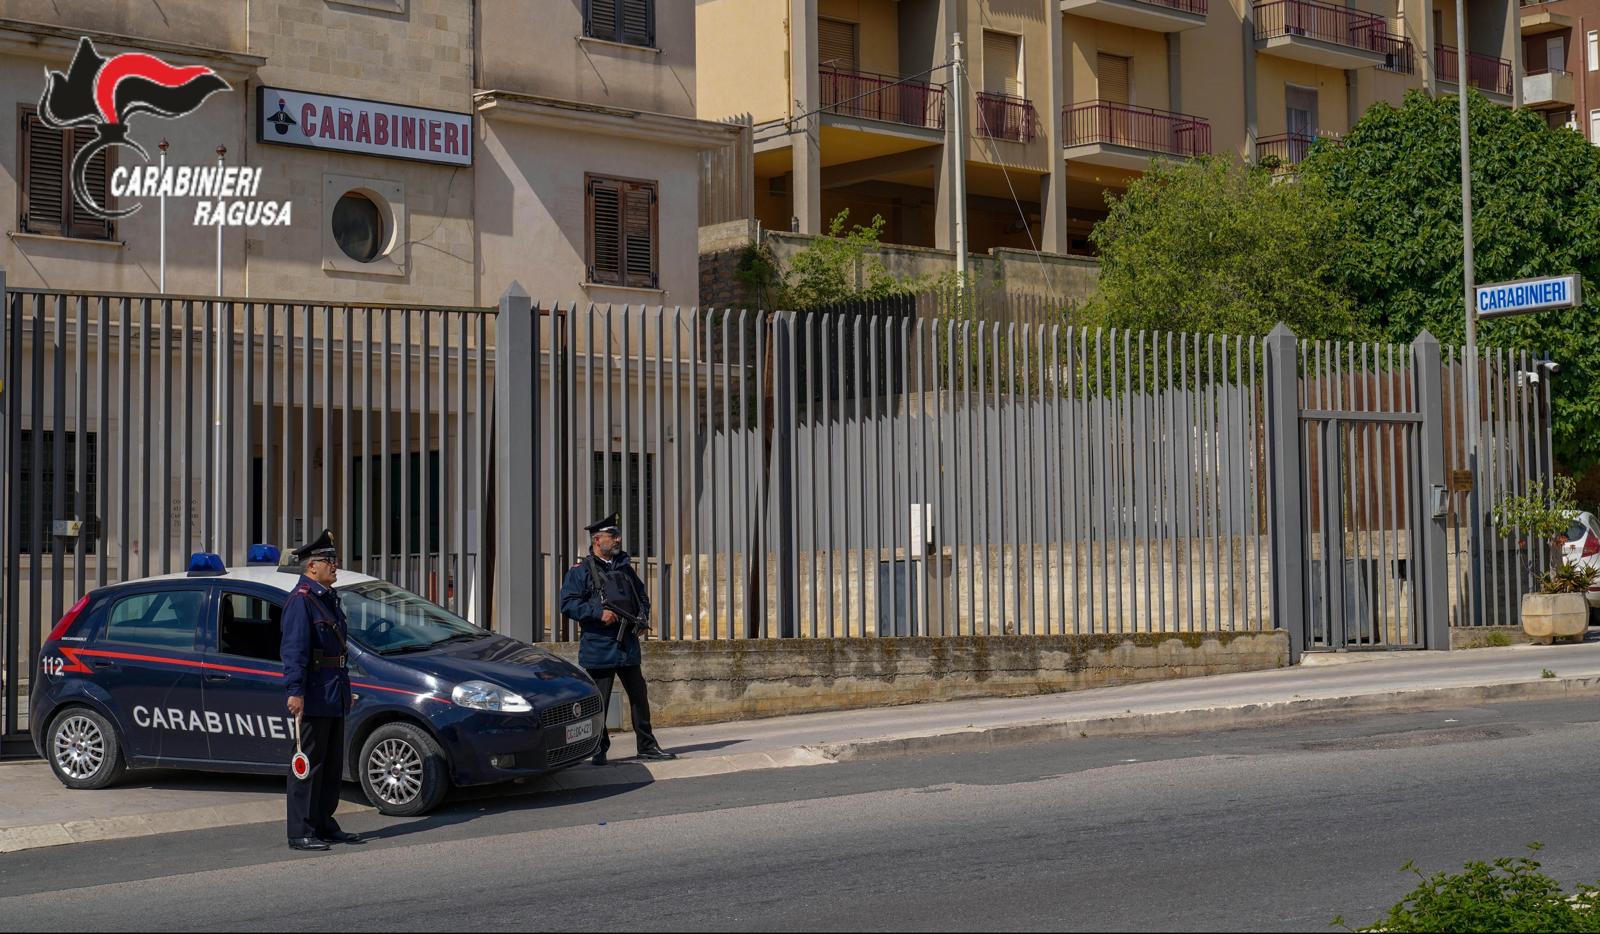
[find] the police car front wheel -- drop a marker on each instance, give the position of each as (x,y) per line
(403,770)
(83,748)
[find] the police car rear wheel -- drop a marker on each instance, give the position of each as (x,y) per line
(84,752)
(403,770)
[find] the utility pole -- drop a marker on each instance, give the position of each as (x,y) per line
(163,279)
(1474,500)
(221,341)
(958,183)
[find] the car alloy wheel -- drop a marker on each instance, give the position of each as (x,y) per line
(80,747)
(394,770)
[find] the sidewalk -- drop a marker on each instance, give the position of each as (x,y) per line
(35,810)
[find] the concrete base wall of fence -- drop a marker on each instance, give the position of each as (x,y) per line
(716,681)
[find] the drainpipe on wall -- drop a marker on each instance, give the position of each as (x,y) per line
(1582,116)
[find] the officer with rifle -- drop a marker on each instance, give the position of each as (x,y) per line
(605,596)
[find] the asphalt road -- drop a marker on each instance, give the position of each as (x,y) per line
(1273,829)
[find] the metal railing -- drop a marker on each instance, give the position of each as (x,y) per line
(1289,149)
(1136,128)
(1399,56)
(882,97)
(1314,19)
(1484,72)
(1183,6)
(1001,116)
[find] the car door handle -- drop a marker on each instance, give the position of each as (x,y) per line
(217,677)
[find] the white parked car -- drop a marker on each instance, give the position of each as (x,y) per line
(1582,547)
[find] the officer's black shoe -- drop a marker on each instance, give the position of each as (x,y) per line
(339,836)
(657,755)
(306,843)
(599,758)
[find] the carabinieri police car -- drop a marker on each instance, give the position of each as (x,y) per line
(182,671)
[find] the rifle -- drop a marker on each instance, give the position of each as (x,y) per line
(627,621)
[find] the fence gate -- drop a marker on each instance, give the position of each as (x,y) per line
(1368,430)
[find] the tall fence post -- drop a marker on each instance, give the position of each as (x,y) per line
(1284,472)
(1435,598)
(516,471)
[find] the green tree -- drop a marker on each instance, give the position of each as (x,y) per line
(840,266)
(1213,245)
(1395,185)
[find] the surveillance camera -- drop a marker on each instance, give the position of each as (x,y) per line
(1528,378)
(1550,366)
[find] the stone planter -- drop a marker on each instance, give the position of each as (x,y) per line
(1551,616)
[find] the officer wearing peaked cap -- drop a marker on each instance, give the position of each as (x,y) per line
(604,594)
(317,681)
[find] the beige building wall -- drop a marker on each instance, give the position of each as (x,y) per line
(741,59)
(212,24)
(1085,39)
(877,34)
(1274,76)
(531,211)
(539,48)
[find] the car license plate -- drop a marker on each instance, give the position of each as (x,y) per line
(577,732)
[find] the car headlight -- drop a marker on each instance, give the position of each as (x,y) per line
(481,695)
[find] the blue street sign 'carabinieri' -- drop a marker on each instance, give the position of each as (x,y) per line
(1529,295)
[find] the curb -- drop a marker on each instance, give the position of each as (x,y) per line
(1213,718)
(627,772)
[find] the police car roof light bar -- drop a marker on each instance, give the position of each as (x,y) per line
(264,555)
(205,564)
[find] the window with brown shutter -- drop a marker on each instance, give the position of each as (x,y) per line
(1001,58)
(621,227)
(836,45)
(629,21)
(46,204)
(1112,71)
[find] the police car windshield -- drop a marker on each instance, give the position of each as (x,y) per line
(390,621)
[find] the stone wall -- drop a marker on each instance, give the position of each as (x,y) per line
(715,681)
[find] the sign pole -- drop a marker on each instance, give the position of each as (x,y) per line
(1475,540)
(221,341)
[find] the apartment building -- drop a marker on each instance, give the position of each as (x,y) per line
(559,146)
(1065,100)
(1561,56)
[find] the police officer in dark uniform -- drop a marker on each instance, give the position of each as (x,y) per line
(604,594)
(318,684)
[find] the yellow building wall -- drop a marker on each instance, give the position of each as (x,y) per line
(1085,39)
(741,59)
(1272,77)
(1212,75)
(878,37)
(1022,20)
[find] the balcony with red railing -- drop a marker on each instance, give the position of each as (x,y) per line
(1126,136)
(1001,116)
(1154,15)
(1488,74)
(883,98)
(1324,34)
(1283,152)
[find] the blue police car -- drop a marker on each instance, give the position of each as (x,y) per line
(182,671)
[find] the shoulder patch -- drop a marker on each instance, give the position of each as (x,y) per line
(303,588)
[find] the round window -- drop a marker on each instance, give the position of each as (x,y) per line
(358,227)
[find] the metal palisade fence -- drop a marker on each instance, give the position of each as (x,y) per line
(911,466)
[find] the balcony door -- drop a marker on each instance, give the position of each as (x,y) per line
(1116,123)
(1555,53)
(837,45)
(1300,119)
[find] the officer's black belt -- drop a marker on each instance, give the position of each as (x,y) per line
(320,661)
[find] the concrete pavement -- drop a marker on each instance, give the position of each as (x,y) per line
(35,810)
